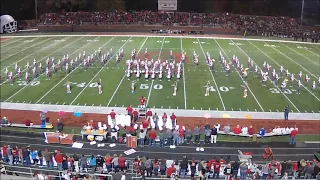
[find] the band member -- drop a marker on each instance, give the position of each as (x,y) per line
(68,87)
(146,53)
(207,89)
(245,90)
(245,73)
(138,73)
(300,75)
(306,80)
(281,71)
(48,73)
(142,102)
(133,86)
(146,74)
(313,87)
(284,85)
(99,87)
(26,77)
(299,87)
(291,80)
(40,68)
(175,88)
(171,55)
(264,78)
(7,73)
(227,69)
(34,72)
(19,73)
(11,78)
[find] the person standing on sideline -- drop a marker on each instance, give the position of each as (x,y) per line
(286,112)
(293,135)
(214,133)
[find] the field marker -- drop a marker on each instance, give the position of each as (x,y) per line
(177,107)
(217,88)
(57,103)
(100,104)
(92,105)
(217,109)
(279,66)
(239,109)
(291,110)
(78,104)
(255,110)
(24,50)
(184,80)
(270,110)
(201,108)
(268,77)
(312,111)
(306,111)
(122,106)
(64,103)
(193,108)
(11,101)
(169,107)
(71,71)
(40,74)
(114,93)
(247,109)
(49,102)
(277,110)
(17,102)
(231,109)
(30,102)
(296,52)
(115,105)
(161,107)
(23,101)
(43,102)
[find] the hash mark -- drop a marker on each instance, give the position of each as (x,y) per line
(239,109)
(122,106)
(247,109)
(161,107)
(193,108)
(43,102)
(255,110)
(277,110)
(217,109)
(78,104)
(312,111)
(291,110)
(11,101)
(169,107)
(154,107)
(209,108)
(231,109)
(270,110)
(100,104)
(201,108)
(306,111)
(64,103)
(85,104)
(92,105)
(57,103)
(49,102)
(115,105)
(18,102)
(30,102)
(23,101)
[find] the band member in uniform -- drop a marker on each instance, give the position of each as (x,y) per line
(299,87)
(207,88)
(313,87)
(245,90)
(99,87)
(68,87)
(142,101)
(133,86)
(175,88)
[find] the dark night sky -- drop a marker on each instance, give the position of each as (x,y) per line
(24,9)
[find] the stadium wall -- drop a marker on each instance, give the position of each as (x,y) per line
(132,28)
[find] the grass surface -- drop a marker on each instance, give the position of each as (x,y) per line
(226,91)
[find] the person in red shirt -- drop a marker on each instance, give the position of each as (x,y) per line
(58,158)
(142,101)
(181,136)
(170,170)
(173,119)
(251,131)
(108,162)
(130,129)
(216,169)
(149,114)
(122,163)
(145,124)
(135,116)
(237,130)
(4,153)
(113,117)
(129,111)
(152,137)
(164,118)
(222,161)
(293,135)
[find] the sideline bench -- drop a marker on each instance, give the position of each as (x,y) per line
(47,126)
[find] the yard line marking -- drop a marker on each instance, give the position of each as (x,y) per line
(13,41)
(44,57)
(30,102)
(23,43)
(283,67)
(114,93)
(204,54)
(40,74)
(296,52)
(184,80)
(99,70)
(268,77)
(100,104)
(151,87)
(17,101)
(57,103)
(78,104)
(72,70)
(23,101)
(294,61)
(241,78)
(49,102)
(85,104)
(2,59)
(43,102)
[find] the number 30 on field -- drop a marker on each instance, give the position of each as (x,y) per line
(146,86)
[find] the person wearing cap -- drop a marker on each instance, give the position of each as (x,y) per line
(113,117)
(135,116)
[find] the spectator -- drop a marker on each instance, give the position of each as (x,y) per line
(173,119)
(207,126)
(15,154)
(152,137)
(308,171)
(108,162)
(285,177)
(115,162)
(169,137)
(175,135)
(83,163)
(145,124)
(286,112)
(155,119)
(122,163)
(237,130)
(177,167)
(262,132)
(243,171)
(113,117)
(214,133)
(207,134)
(251,131)
(26,156)
(149,115)
(142,136)
(60,126)
(181,136)
(76,159)
(48,158)
(40,157)
(228,172)
(216,169)
(293,135)
(129,111)
(64,163)
(188,135)
(148,166)
(4,121)
(170,171)
(9,154)
(58,158)
(226,129)
(235,169)
(161,138)
(100,162)
(135,116)
(163,168)
(164,118)
(136,165)
(183,167)
(34,154)
(196,135)
(193,168)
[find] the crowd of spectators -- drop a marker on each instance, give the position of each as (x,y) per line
(253,25)
(73,165)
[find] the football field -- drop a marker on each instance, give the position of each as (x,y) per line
(226,92)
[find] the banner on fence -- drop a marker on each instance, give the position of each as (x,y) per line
(167,5)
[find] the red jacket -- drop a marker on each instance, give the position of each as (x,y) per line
(216,167)
(58,158)
(236,130)
(149,113)
(129,109)
(152,135)
(181,133)
(145,124)
(250,131)
(135,113)
(173,117)
(293,133)
(170,170)
(4,150)
(164,116)
(108,160)
(122,162)
(113,115)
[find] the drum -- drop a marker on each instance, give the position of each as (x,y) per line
(90,138)
(101,130)
(88,130)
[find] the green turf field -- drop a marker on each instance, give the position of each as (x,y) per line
(226,90)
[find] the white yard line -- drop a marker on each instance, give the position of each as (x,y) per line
(2,59)
(98,72)
(268,78)
(18,45)
(284,67)
(241,78)
(301,54)
(44,57)
(114,93)
(313,52)
(295,62)
(214,81)
(151,87)
(42,73)
(184,80)
(13,41)
(71,71)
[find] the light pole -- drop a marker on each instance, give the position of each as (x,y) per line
(36,8)
(302,10)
